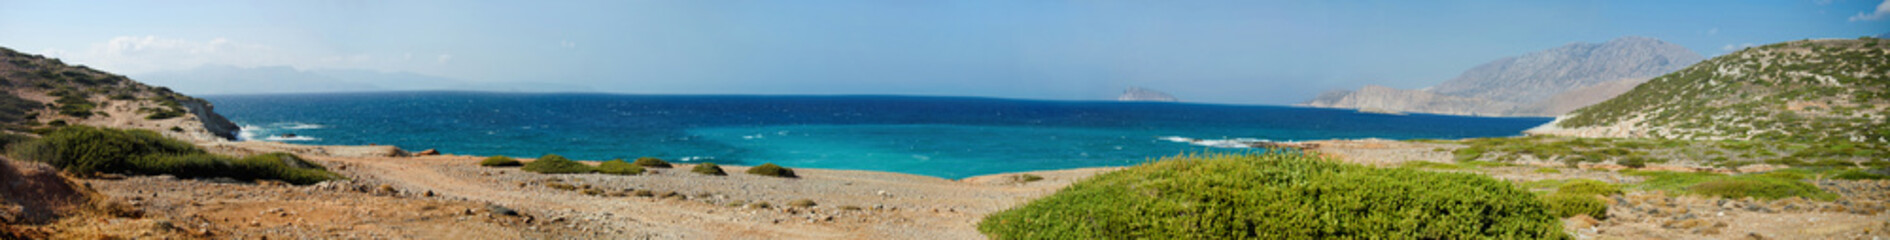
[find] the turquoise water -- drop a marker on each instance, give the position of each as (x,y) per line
(935,136)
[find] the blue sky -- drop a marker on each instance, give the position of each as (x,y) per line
(1244,52)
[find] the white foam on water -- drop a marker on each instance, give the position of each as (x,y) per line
(285,139)
(1219,143)
(298,126)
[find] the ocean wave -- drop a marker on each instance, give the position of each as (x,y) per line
(247,132)
(300,126)
(1221,143)
(276,131)
(285,139)
(694,158)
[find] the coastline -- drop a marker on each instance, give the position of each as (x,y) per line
(392,194)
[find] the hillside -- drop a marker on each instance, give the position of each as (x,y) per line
(1832,90)
(1545,83)
(41,91)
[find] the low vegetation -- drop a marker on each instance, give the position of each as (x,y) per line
(651,162)
(1278,195)
(1822,91)
(802,203)
(86,150)
(1580,197)
(771,170)
(1636,153)
(709,169)
(1024,178)
(619,167)
(500,161)
(1769,185)
(1570,205)
(554,164)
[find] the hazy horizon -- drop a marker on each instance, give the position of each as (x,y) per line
(1225,52)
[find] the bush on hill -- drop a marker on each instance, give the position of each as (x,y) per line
(1568,205)
(554,164)
(500,161)
(85,150)
(652,162)
(771,170)
(709,169)
(619,167)
(1278,195)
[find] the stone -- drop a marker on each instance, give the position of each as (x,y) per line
(428,152)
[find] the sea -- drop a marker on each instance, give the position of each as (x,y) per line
(947,137)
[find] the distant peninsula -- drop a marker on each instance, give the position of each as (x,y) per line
(1136,94)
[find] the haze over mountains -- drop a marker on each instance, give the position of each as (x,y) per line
(1545,83)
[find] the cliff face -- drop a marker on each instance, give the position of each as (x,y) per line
(1137,94)
(1544,83)
(1817,90)
(64,94)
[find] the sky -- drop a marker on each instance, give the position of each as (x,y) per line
(1235,52)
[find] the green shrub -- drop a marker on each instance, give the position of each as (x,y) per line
(1762,188)
(1569,205)
(652,162)
(8,139)
(1855,174)
(709,169)
(643,193)
(1588,187)
(161,115)
(1761,185)
(1026,178)
(554,164)
(500,161)
(84,150)
(1548,170)
(801,203)
(1634,162)
(1429,165)
(771,170)
(619,167)
(1277,195)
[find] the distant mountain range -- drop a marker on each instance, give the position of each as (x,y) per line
(1831,90)
(1545,83)
(223,79)
(1136,94)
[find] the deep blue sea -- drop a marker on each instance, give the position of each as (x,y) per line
(950,137)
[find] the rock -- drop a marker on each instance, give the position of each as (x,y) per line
(428,152)
(501,210)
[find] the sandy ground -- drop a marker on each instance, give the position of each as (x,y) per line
(432,197)
(451,197)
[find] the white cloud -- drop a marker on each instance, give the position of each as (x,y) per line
(1736,47)
(1883,9)
(567,44)
(144,54)
(1714,31)
(1822,2)
(445,57)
